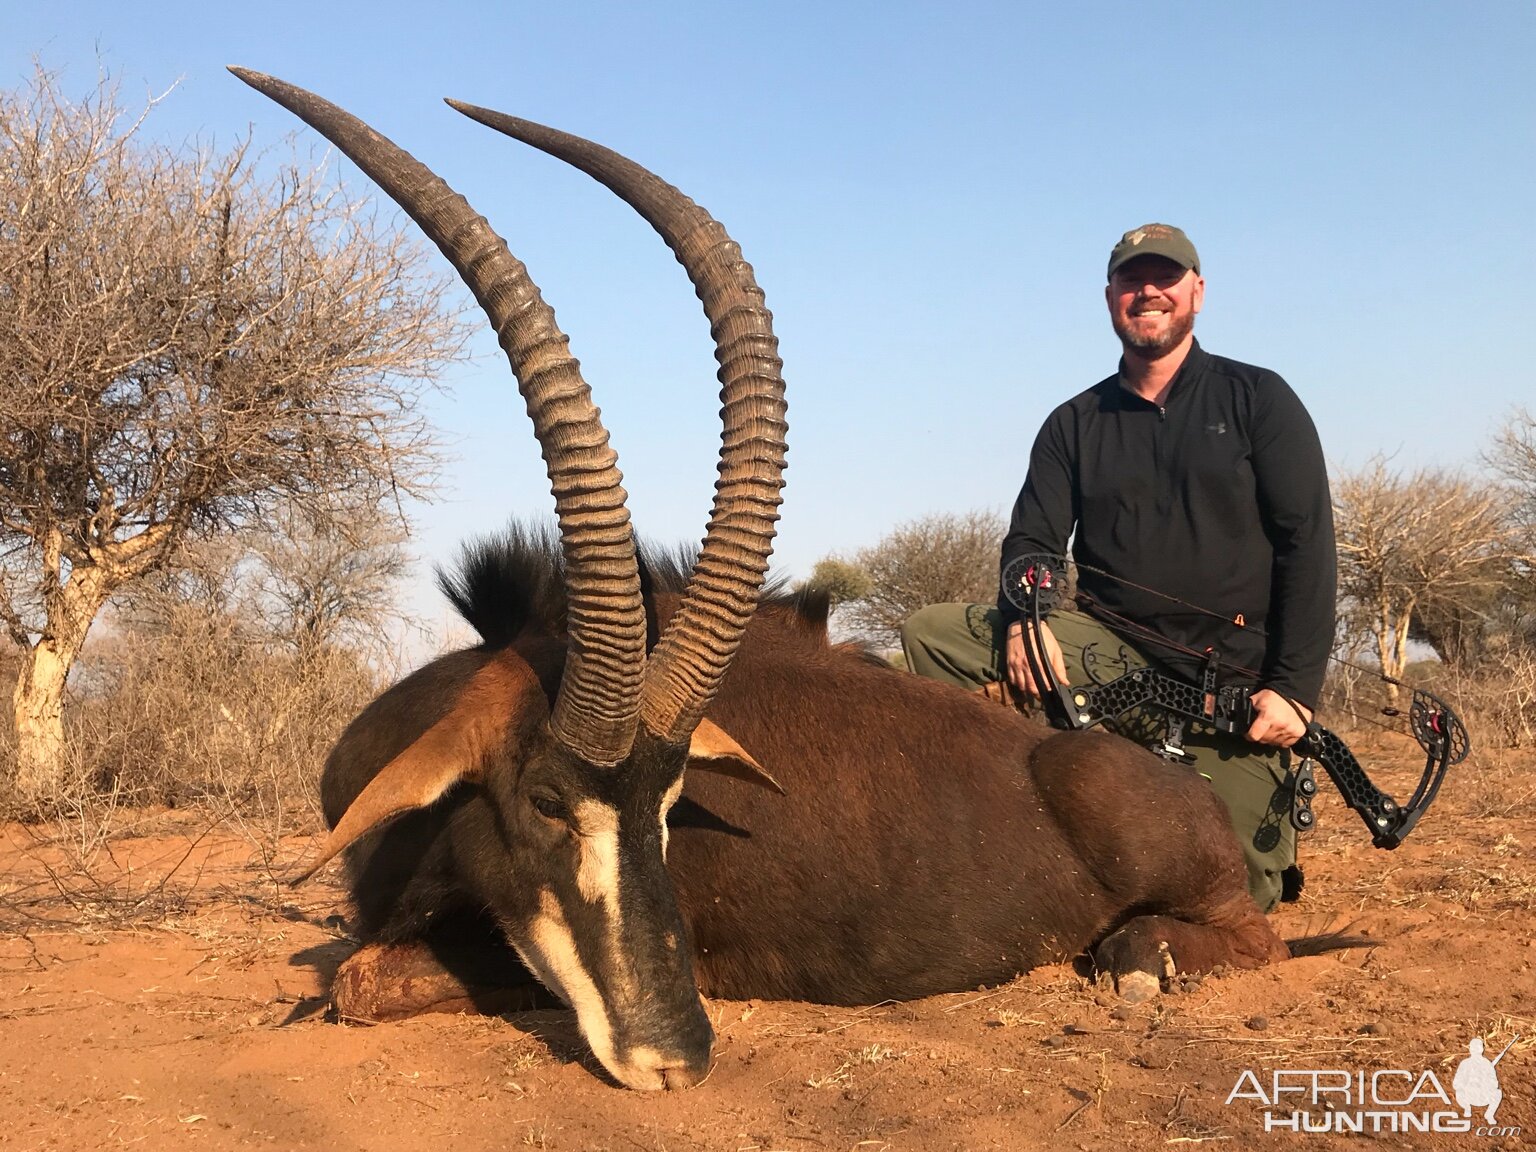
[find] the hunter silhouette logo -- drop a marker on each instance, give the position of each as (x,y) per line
(1386,1100)
(1476,1082)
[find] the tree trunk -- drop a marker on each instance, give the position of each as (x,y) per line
(39,696)
(1393,621)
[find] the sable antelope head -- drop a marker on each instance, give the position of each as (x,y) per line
(573,862)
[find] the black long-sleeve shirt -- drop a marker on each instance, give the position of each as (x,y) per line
(1218,498)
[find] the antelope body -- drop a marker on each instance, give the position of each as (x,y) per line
(848,834)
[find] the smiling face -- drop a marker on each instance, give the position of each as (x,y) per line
(1153,302)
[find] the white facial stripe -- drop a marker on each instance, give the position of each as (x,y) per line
(556,962)
(597,870)
(597,879)
(668,799)
(559,965)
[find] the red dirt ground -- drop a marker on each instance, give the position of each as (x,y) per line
(163,991)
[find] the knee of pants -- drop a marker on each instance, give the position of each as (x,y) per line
(916,628)
(922,645)
(1265,886)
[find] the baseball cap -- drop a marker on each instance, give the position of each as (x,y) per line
(1155,240)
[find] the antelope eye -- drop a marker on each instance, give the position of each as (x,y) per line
(550,808)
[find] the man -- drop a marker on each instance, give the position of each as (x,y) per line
(1195,495)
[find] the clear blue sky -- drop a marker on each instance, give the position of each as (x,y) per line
(928,193)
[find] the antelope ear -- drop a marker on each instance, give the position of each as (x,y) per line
(713,750)
(452,750)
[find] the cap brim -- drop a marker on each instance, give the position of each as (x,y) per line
(1154,249)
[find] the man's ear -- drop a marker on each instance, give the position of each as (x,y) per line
(712,749)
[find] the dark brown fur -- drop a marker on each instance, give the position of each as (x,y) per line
(929,841)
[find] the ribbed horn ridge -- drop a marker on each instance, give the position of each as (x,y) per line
(597,707)
(687,665)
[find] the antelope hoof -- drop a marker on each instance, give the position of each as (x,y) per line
(1135,987)
(379,983)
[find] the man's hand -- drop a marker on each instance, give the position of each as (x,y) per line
(1018,665)
(1276,721)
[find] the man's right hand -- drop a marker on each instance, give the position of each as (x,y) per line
(1018,665)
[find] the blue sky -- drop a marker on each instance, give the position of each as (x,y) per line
(928,193)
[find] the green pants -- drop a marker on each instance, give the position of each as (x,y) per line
(962,644)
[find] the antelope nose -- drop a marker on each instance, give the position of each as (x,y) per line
(684,1073)
(679,1059)
(651,1070)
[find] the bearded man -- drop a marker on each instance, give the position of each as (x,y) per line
(1194,492)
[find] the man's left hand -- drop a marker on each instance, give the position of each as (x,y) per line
(1276,721)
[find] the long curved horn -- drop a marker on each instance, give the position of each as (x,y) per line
(598,704)
(691,658)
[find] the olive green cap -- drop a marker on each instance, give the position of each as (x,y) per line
(1155,240)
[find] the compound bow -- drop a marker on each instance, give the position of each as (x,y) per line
(1031,583)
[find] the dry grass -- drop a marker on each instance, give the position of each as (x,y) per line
(856,1064)
(193,726)
(203,715)
(160,867)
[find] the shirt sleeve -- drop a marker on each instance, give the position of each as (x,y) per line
(1297,515)
(1047,507)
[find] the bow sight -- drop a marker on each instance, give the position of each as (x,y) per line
(1034,585)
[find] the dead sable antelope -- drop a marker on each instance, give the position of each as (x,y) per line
(849,834)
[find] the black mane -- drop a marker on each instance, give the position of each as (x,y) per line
(512,583)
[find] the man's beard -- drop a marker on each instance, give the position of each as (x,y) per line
(1156,347)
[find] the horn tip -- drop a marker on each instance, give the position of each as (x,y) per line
(260,81)
(514,126)
(473,111)
(298,879)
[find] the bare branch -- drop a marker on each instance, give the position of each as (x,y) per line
(933,560)
(1424,556)
(193,340)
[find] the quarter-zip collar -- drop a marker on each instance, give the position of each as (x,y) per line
(1194,365)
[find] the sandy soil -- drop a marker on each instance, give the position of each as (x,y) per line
(161,990)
